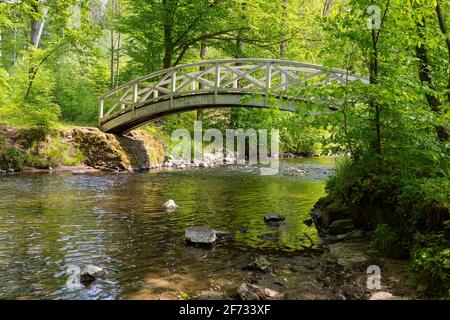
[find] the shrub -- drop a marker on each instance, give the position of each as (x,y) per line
(390,242)
(11,158)
(430,262)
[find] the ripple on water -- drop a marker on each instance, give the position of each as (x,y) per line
(48,222)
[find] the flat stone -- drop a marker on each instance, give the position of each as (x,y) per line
(355,234)
(248,291)
(201,235)
(348,257)
(385,296)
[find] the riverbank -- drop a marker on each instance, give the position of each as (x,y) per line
(333,268)
(78,149)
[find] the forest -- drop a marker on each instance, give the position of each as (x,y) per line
(57,57)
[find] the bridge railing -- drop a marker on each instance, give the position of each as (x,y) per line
(220,76)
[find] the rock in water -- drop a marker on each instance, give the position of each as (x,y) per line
(273,218)
(259,264)
(170,205)
(252,292)
(91,273)
(223,235)
(201,235)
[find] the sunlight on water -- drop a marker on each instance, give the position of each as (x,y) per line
(48,221)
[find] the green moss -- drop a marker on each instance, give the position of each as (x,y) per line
(53,152)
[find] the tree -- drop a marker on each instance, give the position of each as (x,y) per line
(172,29)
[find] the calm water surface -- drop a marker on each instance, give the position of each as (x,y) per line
(51,221)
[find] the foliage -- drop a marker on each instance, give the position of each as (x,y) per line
(430,262)
(392,129)
(390,242)
(11,158)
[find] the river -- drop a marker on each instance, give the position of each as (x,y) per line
(116,221)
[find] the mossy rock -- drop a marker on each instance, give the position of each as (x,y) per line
(335,211)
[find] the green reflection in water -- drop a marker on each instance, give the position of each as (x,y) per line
(116,221)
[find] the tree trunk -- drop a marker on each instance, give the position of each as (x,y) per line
(203,58)
(168,45)
(283,44)
(1,48)
(425,75)
(14,53)
(373,70)
(34,32)
(112,43)
(327,6)
(444,30)
(119,36)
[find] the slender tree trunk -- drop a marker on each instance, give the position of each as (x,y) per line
(426,77)
(425,74)
(1,48)
(283,44)
(444,30)
(119,36)
(14,53)
(240,47)
(41,28)
(168,45)
(327,6)
(203,49)
(34,24)
(373,71)
(112,43)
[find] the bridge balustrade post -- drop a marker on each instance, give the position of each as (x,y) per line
(101,111)
(216,82)
(173,87)
(135,97)
(268,82)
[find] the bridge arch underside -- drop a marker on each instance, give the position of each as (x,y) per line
(131,118)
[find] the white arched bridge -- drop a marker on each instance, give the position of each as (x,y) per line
(210,84)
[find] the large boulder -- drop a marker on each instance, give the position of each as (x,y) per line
(325,212)
(334,211)
(136,150)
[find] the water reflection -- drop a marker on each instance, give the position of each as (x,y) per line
(48,221)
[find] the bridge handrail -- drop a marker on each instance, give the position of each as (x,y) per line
(247,74)
(240,60)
